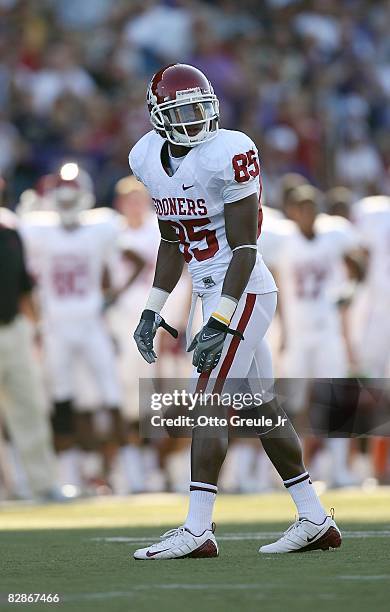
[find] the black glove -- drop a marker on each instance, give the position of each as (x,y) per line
(208,344)
(145,332)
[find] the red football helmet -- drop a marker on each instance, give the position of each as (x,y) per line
(70,191)
(182,105)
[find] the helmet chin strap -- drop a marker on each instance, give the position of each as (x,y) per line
(186,140)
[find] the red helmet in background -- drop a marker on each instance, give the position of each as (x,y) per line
(70,192)
(182,105)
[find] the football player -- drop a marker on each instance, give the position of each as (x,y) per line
(70,247)
(205,186)
(309,265)
(372,219)
(306,262)
(138,245)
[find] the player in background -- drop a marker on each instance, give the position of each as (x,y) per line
(339,201)
(205,186)
(138,246)
(372,220)
(372,334)
(309,263)
(71,248)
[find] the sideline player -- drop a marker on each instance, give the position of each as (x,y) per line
(70,249)
(307,262)
(205,185)
(138,244)
(311,273)
(372,220)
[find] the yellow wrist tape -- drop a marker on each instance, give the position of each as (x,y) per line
(225,310)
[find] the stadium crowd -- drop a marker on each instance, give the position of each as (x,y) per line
(309,83)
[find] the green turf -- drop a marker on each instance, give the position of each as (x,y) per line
(91,572)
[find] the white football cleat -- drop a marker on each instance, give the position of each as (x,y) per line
(304,535)
(181,544)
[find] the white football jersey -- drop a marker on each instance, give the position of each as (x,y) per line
(69,264)
(274,230)
(212,175)
(144,241)
(307,274)
(372,220)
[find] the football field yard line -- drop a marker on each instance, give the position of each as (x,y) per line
(228,537)
(202,586)
(364,577)
(178,586)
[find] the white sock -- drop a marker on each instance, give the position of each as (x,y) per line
(200,512)
(339,448)
(69,464)
(305,498)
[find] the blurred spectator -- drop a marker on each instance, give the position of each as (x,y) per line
(58,75)
(358,164)
(161,30)
(308,81)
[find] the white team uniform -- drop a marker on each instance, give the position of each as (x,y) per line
(274,226)
(69,266)
(372,220)
(212,175)
(309,273)
(125,313)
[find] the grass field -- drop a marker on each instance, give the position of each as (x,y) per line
(82,551)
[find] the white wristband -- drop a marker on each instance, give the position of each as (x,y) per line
(225,309)
(156,300)
(245,246)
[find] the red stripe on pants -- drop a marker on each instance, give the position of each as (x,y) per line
(202,382)
(232,350)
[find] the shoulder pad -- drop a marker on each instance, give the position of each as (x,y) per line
(327,223)
(106,221)
(140,152)
(373,204)
(102,214)
(43,218)
(217,154)
(8,218)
